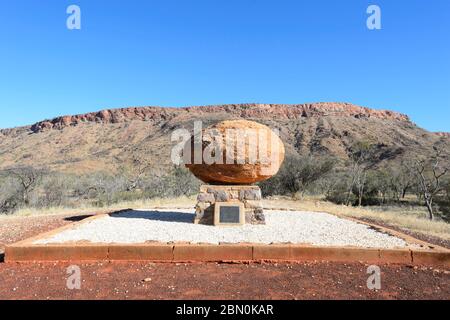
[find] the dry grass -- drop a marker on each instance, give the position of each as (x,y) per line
(412,218)
(182,202)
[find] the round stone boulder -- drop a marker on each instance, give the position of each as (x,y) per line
(235,152)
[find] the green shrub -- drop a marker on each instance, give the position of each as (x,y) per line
(297,175)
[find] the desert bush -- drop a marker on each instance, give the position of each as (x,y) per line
(443,202)
(18,187)
(177,182)
(106,189)
(327,185)
(430,173)
(181,182)
(365,192)
(447,189)
(297,175)
(360,161)
(27,179)
(339,194)
(402,180)
(378,187)
(28,188)
(55,190)
(10,198)
(444,210)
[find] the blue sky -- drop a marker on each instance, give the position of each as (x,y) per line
(201,52)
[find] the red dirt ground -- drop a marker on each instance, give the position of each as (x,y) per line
(143,280)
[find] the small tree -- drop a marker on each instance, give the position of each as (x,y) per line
(360,185)
(447,189)
(430,174)
(181,182)
(359,158)
(330,183)
(381,184)
(444,202)
(299,173)
(9,194)
(54,189)
(136,170)
(402,179)
(28,179)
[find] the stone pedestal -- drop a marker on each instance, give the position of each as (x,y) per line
(250,196)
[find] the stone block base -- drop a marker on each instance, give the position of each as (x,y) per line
(250,196)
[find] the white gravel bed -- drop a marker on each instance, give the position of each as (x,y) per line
(299,227)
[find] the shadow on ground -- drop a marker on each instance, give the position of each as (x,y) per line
(78,218)
(168,216)
(2,257)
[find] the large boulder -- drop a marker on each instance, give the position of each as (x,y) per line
(257,153)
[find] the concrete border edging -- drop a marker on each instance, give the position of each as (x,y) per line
(160,252)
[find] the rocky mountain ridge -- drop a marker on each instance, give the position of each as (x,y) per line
(264,111)
(106,140)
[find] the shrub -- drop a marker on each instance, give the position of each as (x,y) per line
(297,175)
(10,198)
(54,191)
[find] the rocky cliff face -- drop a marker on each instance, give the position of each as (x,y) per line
(262,111)
(105,140)
(443,134)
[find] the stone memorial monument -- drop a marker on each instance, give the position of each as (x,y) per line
(234,155)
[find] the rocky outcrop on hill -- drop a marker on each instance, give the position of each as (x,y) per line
(443,134)
(263,111)
(106,140)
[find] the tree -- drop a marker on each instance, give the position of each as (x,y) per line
(447,189)
(444,201)
(328,185)
(54,190)
(181,182)
(360,184)
(28,178)
(402,180)
(359,157)
(383,184)
(136,170)
(430,173)
(140,165)
(9,194)
(299,173)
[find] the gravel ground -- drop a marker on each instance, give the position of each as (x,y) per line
(313,228)
(13,229)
